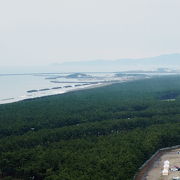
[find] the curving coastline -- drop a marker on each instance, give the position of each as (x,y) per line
(32,94)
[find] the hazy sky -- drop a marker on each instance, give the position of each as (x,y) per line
(48,31)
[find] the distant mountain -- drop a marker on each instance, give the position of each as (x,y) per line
(170,61)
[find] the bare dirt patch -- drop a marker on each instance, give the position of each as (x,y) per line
(153,169)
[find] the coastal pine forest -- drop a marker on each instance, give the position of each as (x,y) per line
(104,133)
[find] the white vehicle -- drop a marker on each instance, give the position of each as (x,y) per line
(176,178)
(174,169)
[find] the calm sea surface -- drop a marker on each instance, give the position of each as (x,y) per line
(15,87)
(19,87)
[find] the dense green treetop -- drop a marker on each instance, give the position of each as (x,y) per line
(104,133)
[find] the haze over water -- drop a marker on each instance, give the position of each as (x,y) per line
(16,87)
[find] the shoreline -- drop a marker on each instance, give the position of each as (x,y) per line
(13,100)
(52,92)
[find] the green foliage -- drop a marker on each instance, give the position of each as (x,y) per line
(104,134)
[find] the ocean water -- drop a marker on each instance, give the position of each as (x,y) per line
(16,87)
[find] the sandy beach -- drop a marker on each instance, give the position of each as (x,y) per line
(53,92)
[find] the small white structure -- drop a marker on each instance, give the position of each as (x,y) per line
(166,166)
(165,172)
(166,162)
